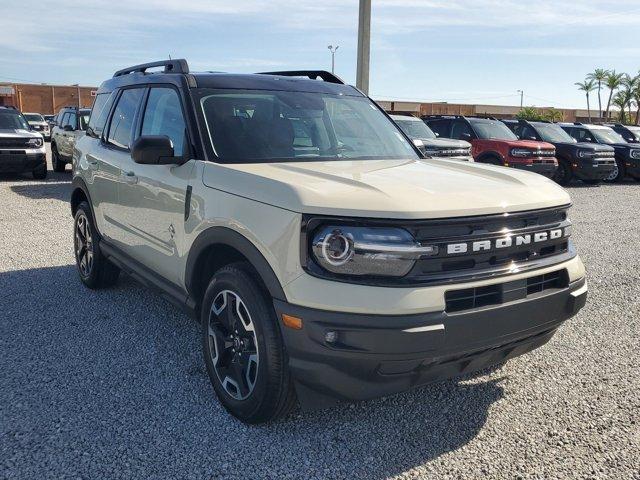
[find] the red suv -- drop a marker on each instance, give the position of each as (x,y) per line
(492,142)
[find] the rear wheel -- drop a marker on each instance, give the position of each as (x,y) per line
(94,269)
(563,175)
(56,161)
(243,348)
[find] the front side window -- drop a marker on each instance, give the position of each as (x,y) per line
(12,120)
(492,130)
(65,120)
(262,126)
(71,120)
(441,127)
(121,126)
(461,131)
(99,114)
(552,133)
(163,116)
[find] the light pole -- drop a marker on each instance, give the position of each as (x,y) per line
(333,57)
(521,92)
(364,46)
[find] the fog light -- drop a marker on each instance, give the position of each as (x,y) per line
(331,337)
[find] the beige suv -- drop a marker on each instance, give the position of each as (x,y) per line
(325,259)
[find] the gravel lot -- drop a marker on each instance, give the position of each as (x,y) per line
(112,384)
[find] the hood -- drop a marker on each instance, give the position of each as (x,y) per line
(444,143)
(532,144)
(404,189)
(17,133)
(596,147)
(37,123)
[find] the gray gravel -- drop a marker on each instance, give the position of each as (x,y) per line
(111,384)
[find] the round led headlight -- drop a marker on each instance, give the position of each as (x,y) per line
(520,152)
(635,153)
(35,142)
(337,248)
(583,153)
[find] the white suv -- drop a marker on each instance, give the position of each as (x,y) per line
(325,259)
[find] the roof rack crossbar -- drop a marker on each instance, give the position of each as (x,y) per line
(312,74)
(178,65)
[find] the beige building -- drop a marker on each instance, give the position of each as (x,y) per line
(45,99)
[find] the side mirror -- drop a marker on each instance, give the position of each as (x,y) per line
(68,128)
(465,136)
(153,150)
(437,134)
(532,138)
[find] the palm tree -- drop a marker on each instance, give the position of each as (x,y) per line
(636,96)
(599,75)
(613,82)
(622,100)
(587,86)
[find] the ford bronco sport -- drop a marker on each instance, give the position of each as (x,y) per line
(38,124)
(71,123)
(21,149)
(492,142)
(589,162)
(325,260)
(630,133)
(627,155)
(428,142)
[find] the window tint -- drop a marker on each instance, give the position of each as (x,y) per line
(163,116)
(121,125)
(527,133)
(70,119)
(460,129)
(65,119)
(99,114)
(441,127)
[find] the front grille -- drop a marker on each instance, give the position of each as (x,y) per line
(478,297)
(14,142)
(450,152)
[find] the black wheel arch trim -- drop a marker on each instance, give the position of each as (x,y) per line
(79,184)
(491,154)
(230,238)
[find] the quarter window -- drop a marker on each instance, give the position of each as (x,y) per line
(121,126)
(163,116)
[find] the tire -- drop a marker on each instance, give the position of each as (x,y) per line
(93,267)
(244,352)
(56,161)
(563,175)
(492,161)
(592,182)
(618,174)
(40,173)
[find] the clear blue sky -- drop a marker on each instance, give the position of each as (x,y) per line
(466,51)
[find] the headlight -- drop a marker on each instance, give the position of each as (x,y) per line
(583,153)
(35,142)
(520,152)
(635,153)
(362,251)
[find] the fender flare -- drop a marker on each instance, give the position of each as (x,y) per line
(490,154)
(231,238)
(79,184)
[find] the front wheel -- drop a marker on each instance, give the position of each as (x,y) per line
(563,175)
(243,348)
(56,162)
(618,173)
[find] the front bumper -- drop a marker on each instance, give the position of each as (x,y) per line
(592,171)
(19,161)
(548,169)
(376,355)
(633,167)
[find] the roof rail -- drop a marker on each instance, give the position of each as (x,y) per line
(312,74)
(441,116)
(179,65)
(578,123)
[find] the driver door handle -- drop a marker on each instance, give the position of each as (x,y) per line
(130,178)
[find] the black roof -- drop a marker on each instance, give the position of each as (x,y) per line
(176,72)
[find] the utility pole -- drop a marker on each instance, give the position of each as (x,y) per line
(521,92)
(364,46)
(333,57)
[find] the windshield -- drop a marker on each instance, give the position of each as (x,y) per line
(492,130)
(607,135)
(635,131)
(415,129)
(553,133)
(33,117)
(260,126)
(12,121)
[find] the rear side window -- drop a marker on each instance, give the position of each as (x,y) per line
(121,126)
(99,114)
(163,116)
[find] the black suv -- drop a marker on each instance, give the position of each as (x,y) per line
(631,133)
(627,155)
(589,162)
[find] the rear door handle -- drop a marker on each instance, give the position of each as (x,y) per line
(130,178)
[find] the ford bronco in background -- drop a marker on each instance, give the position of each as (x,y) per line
(630,133)
(590,162)
(428,142)
(492,142)
(325,260)
(38,124)
(21,149)
(627,155)
(71,123)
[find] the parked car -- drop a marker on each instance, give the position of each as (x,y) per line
(324,258)
(630,133)
(71,124)
(21,148)
(38,124)
(589,162)
(627,155)
(492,142)
(429,144)
(51,121)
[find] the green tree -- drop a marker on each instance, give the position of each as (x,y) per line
(599,75)
(636,96)
(529,113)
(554,115)
(587,87)
(622,100)
(613,82)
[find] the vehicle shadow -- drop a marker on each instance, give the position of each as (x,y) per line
(107,373)
(55,187)
(579,184)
